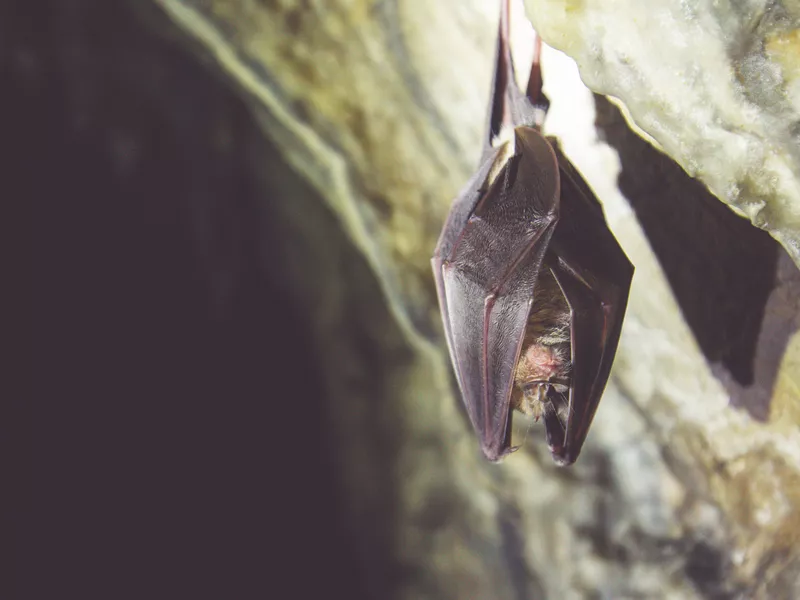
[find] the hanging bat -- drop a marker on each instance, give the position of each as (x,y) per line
(532,285)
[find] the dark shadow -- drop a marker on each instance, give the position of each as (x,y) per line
(179,446)
(722,270)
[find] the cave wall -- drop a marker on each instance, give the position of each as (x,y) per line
(255,190)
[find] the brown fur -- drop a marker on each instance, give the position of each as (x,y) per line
(544,361)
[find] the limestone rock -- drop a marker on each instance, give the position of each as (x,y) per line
(381,111)
(716,85)
(354,124)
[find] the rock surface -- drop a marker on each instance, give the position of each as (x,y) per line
(355,124)
(716,84)
(678,494)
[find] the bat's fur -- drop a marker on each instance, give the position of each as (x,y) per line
(542,377)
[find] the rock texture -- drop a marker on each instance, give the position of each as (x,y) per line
(349,127)
(716,84)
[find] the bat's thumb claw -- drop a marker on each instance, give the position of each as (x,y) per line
(495,456)
(562,460)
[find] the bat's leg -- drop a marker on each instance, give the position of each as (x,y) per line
(509,106)
(505,94)
(534,91)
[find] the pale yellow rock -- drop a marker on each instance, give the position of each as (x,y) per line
(380,107)
(714,83)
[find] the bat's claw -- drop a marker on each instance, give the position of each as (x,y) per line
(560,460)
(492,455)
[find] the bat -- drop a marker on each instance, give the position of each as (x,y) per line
(532,284)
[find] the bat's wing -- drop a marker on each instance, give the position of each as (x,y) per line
(486,265)
(595,276)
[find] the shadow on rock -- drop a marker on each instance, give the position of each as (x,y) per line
(722,270)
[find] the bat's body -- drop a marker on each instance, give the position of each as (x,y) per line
(532,284)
